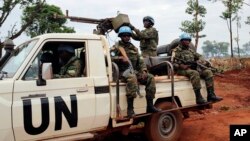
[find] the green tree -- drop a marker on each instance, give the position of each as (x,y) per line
(237,38)
(7,6)
(207,48)
(248,21)
(44,22)
(215,49)
(240,51)
(196,25)
(222,49)
(230,14)
(246,48)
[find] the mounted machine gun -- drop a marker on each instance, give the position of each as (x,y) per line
(103,25)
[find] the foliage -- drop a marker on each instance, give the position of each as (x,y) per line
(193,27)
(246,48)
(233,6)
(241,52)
(7,6)
(231,14)
(196,25)
(248,20)
(44,22)
(215,49)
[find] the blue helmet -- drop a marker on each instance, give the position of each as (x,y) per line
(185,36)
(150,19)
(124,30)
(67,48)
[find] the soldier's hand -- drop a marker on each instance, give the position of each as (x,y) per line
(184,67)
(144,75)
(131,26)
(208,64)
(203,62)
(123,59)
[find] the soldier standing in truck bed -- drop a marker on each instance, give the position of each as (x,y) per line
(148,37)
(183,54)
(125,54)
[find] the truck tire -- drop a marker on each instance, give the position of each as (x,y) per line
(165,126)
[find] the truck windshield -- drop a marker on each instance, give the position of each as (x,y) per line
(15,61)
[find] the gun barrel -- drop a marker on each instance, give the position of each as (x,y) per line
(85,20)
(79,19)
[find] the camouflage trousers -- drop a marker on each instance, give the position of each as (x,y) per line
(195,77)
(132,85)
(148,53)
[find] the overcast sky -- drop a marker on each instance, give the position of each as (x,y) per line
(168,15)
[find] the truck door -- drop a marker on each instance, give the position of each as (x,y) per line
(63,106)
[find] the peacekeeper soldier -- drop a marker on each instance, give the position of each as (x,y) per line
(148,37)
(70,64)
(183,54)
(125,54)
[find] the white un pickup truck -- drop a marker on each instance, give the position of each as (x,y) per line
(36,106)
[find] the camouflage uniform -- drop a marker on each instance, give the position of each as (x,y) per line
(139,67)
(148,41)
(189,55)
(70,69)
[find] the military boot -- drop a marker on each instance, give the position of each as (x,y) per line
(199,98)
(211,97)
(130,109)
(150,107)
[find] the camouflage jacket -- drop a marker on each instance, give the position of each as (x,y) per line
(183,54)
(148,39)
(71,69)
(133,55)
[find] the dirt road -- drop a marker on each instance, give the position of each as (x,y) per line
(213,125)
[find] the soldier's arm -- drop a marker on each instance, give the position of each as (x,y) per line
(177,63)
(146,34)
(73,70)
(136,37)
(197,56)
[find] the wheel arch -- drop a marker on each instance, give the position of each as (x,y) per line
(168,99)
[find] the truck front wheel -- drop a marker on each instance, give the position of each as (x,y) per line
(165,126)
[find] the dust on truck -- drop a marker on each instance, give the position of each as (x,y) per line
(36,106)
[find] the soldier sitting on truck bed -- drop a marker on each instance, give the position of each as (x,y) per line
(182,57)
(70,64)
(126,55)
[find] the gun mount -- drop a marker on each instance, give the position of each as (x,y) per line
(103,25)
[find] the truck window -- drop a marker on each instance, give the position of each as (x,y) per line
(50,53)
(18,58)
(32,72)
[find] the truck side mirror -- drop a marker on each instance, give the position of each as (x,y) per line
(47,72)
(44,73)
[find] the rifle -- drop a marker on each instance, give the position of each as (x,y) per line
(215,71)
(103,25)
(130,69)
(199,66)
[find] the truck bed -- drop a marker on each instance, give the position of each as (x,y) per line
(158,79)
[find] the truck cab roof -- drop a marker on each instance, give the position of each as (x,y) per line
(68,35)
